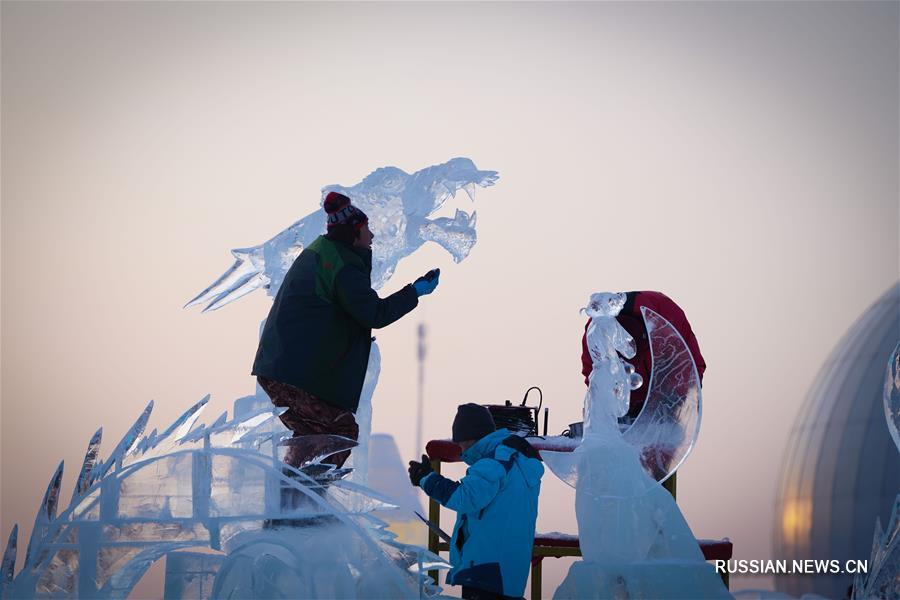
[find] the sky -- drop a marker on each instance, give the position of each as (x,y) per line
(740,157)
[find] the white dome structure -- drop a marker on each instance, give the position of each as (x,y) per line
(841,468)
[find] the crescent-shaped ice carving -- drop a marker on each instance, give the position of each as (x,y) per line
(666,429)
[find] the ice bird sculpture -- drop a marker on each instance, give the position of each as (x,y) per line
(398,206)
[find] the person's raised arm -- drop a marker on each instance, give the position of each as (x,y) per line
(472,492)
(353,291)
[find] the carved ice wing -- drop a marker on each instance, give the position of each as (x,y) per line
(90,460)
(125,446)
(7,568)
(45,514)
(244,276)
(168,439)
(264,265)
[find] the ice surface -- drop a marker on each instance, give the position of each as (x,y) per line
(892,395)
(45,515)
(7,567)
(883,577)
(398,206)
(635,542)
(321,447)
(359,460)
(90,460)
(329,560)
(131,438)
(191,574)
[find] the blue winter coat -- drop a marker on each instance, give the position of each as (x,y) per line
(497,503)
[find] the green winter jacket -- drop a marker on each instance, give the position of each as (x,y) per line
(319,331)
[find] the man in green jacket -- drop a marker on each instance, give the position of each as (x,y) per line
(314,347)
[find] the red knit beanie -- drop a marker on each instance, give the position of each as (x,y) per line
(341,212)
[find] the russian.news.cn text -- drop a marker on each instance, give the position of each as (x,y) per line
(791,567)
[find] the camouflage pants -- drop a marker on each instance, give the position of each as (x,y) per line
(308,415)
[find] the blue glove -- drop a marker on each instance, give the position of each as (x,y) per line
(426,283)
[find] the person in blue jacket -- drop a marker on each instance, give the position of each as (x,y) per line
(496,504)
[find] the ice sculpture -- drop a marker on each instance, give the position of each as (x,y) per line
(634,540)
(666,429)
(399,206)
(223,487)
(883,577)
(892,395)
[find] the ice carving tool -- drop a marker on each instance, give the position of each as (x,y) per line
(440,532)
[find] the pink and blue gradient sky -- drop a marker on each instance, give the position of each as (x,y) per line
(741,157)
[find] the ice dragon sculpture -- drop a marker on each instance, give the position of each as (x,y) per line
(223,487)
(398,206)
(883,577)
(634,540)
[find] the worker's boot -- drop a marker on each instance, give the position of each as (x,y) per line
(309,510)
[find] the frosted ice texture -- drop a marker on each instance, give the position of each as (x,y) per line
(634,541)
(359,459)
(606,339)
(883,578)
(218,487)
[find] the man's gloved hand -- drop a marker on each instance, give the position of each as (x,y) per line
(427,282)
(418,470)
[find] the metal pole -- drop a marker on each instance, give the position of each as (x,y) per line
(420,402)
